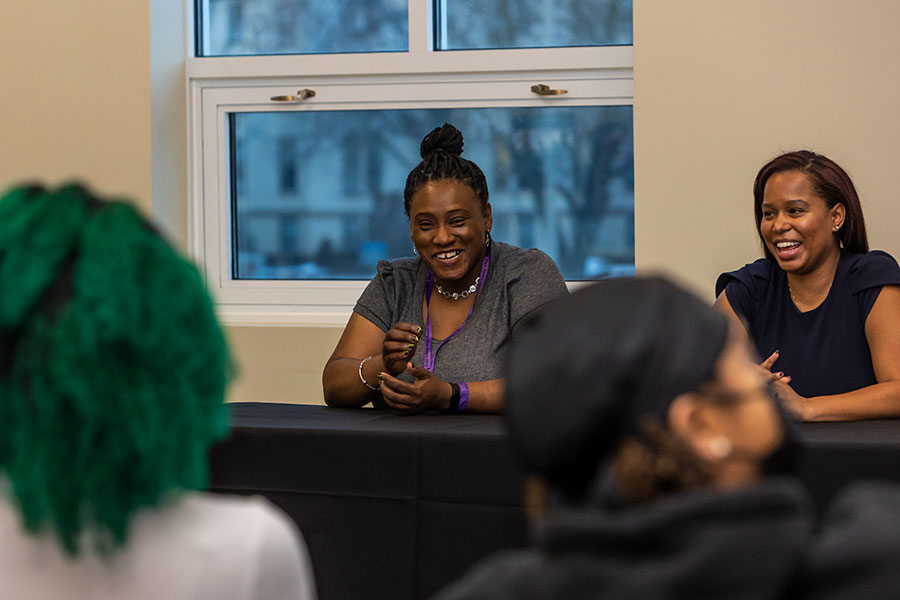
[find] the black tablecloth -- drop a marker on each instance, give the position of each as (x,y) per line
(837,454)
(393,506)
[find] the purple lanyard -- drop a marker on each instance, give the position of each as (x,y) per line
(429,285)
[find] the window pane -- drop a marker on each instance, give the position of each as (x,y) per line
(330,205)
(462,24)
(245,27)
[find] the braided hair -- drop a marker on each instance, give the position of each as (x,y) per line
(113,367)
(441,152)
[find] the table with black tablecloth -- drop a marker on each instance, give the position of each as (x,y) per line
(391,506)
(396,506)
(836,454)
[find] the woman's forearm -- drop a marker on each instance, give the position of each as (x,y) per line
(881,400)
(342,384)
(487,396)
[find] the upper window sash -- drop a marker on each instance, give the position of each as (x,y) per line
(547,25)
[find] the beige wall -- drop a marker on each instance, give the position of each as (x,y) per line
(75,98)
(281,364)
(720,87)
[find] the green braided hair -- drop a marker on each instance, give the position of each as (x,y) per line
(113,367)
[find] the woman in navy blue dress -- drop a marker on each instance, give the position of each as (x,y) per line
(821,307)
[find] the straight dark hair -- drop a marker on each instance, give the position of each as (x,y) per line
(830,182)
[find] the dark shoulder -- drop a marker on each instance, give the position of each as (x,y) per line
(754,277)
(872,260)
(870,269)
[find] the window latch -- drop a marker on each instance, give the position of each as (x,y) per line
(299,97)
(542,89)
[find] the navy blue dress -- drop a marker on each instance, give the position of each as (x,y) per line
(823,350)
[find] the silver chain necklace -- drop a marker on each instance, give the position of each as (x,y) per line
(458,295)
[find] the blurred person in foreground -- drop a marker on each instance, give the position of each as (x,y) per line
(113,370)
(659,461)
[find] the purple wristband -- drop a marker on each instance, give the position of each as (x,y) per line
(463,396)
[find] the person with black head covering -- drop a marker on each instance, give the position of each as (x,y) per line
(658,456)
(426,333)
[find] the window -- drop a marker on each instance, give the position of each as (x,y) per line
(286,159)
(298,180)
(461,24)
(260,27)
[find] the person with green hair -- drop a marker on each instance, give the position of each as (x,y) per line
(113,370)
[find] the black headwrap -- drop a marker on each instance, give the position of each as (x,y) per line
(580,377)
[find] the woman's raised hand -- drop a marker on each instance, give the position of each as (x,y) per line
(776,376)
(794,402)
(399,344)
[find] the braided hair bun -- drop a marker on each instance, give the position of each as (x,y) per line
(445,138)
(441,160)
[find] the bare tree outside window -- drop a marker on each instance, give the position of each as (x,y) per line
(534,23)
(253,27)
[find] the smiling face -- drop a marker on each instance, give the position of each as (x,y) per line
(448,225)
(797,225)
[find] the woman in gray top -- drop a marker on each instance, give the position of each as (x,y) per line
(426,332)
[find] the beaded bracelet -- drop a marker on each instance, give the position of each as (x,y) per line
(363,379)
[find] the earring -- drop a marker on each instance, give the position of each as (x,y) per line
(836,227)
(415,251)
(720,446)
(487,238)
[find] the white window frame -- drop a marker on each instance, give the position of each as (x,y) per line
(419,78)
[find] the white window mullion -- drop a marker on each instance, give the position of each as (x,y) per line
(441,22)
(214,198)
(196,180)
(204,26)
(420,16)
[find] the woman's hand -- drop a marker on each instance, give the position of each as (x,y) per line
(399,344)
(425,393)
(725,308)
(792,401)
(776,376)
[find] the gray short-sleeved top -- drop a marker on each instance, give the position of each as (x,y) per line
(518,283)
